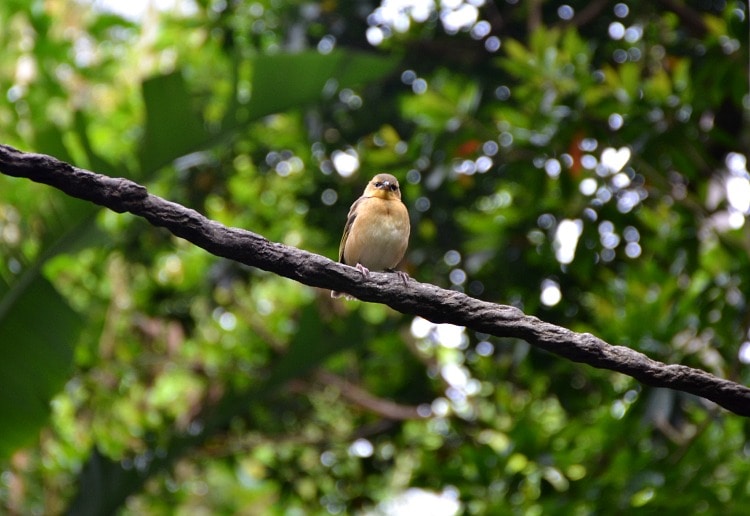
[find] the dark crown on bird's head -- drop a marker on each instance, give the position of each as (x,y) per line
(384,184)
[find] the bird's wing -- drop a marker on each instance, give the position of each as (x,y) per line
(349,221)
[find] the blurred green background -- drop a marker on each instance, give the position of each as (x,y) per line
(583,161)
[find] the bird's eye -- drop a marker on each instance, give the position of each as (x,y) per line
(378,184)
(394,188)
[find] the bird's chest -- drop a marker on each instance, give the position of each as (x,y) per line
(383,228)
(379,236)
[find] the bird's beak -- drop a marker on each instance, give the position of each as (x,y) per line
(386,185)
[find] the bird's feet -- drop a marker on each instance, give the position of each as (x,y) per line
(364,270)
(402,275)
(365,273)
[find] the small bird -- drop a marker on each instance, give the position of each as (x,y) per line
(377,229)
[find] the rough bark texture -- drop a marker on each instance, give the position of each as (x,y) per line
(433,303)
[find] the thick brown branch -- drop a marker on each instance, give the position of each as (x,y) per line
(431,302)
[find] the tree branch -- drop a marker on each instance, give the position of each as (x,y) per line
(429,301)
(589,13)
(692,19)
(364,399)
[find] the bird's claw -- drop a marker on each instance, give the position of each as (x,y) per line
(364,270)
(402,275)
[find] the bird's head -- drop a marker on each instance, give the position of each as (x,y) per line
(384,186)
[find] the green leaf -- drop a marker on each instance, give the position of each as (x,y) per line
(313,345)
(37,332)
(280,82)
(173,129)
(429,109)
(286,81)
(516,51)
(95,160)
(38,328)
(630,75)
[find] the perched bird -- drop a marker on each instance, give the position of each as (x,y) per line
(377,229)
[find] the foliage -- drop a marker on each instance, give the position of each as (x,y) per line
(582,161)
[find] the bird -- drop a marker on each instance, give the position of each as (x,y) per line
(377,228)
